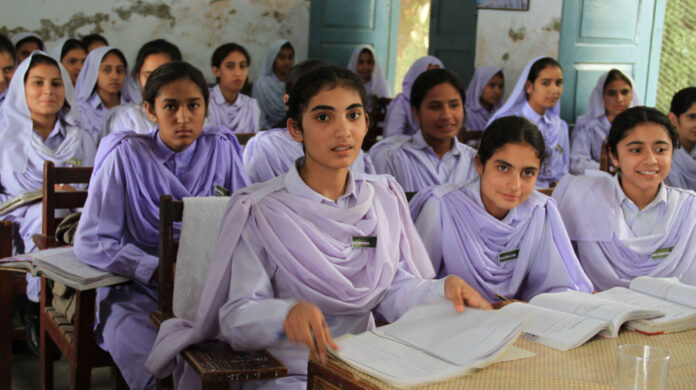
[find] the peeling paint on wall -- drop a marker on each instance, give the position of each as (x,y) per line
(506,56)
(160,11)
(517,35)
(554,25)
(51,31)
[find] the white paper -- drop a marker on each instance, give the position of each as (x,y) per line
(670,289)
(673,311)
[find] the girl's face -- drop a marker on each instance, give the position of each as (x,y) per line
(508,178)
(366,64)
(686,125)
(333,127)
(152,62)
(73,62)
(233,71)
(644,158)
(7,68)
(179,111)
(25,49)
(617,97)
(44,90)
(112,74)
(284,62)
(546,89)
(441,113)
(493,91)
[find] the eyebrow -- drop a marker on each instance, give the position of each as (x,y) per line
(638,142)
(171,100)
(507,164)
(330,108)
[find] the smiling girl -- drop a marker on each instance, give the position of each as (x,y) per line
(497,233)
(119,228)
(637,225)
(433,155)
(682,114)
(290,273)
(537,97)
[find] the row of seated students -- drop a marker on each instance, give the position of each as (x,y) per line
(285,258)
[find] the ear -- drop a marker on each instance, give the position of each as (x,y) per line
(479,166)
(528,87)
(674,119)
(416,113)
(216,71)
(614,158)
(295,130)
(150,110)
(286,97)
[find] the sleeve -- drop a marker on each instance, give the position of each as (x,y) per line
(408,291)
(256,161)
(101,240)
(257,93)
(429,226)
(565,143)
(396,118)
(580,152)
(255,116)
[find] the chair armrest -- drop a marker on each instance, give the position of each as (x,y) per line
(216,361)
(333,376)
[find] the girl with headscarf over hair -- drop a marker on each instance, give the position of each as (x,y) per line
(119,228)
(612,94)
(26,43)
(8,62)
(38,122)
(228,106)
(71,54)
(399,118)
(265,293)
(498,234)
(632,224)
(484,96)
(433,155)
(537,97)
(363,62)
(269,88)
(100,86)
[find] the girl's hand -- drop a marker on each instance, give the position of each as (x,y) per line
(305,324)
(461,294)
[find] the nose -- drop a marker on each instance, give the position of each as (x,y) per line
(341,130)
(651,158)
(513,184)
(182,115)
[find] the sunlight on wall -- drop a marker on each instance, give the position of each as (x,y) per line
(414,31)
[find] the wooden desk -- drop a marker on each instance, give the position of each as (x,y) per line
(591,366)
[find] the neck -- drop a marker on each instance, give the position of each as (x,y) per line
(109,100)
(281,77)
(328,182)
(538,109)
(486,105)
(230,96)
(440,147)
(44,124)
(639,197)
(610,117)
(687,145)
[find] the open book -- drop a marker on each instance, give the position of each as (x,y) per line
(431,343)
(566,320)
(61,265)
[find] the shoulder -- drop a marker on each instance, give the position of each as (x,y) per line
(680,193)
(466,149)
(391,144)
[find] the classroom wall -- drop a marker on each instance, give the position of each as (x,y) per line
(196,26)
(512,38)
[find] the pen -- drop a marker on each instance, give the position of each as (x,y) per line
(502,298)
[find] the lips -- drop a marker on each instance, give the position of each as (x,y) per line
(509,198)
(342,148)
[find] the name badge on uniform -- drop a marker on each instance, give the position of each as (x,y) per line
(662,253)
(559,148)
(507,256)
(221,191)
(75,162)
(364,242)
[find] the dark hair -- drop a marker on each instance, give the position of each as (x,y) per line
(223,51)
(540,65)
(634,116)
(429,79)
(6,46)
(71,44)
(614,75)
(158,46)
(37,59)
(683,100)
(296,71)
(30,38)
(368,51)
(119,54)
(91,38)
(170,72)
(511,129)
(286,45)
(310,83)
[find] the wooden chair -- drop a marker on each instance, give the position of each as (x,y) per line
(215,362)
(469,135)
(377,115)
(243,138)
(330,376)
(75,340)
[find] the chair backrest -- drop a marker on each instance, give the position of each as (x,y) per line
(243,138)
(55,200)
(171,211)
(469,135)
(378,113)
(5,239)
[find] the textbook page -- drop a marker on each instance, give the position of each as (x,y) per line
(594,306)
(62,265)
(556,329)
(670,289)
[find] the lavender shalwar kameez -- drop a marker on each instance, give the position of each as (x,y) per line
(242,116)
(476,115)
(269,90)
(126,117)
(682,173)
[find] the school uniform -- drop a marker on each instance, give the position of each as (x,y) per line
(414,164)
(3,94)
(23,152)
(268,90)
(552,127)
(524,254)
(242,116)
(617,242)
(682,173)
(477,116)
(91,107)
(260,273)
(592,128)
(119,228)
(273,152)
(23,35)
(126,117)
(378,84)
(399,118)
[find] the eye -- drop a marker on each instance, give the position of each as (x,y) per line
(545,83)
(354,115)
(503,168)
(57,84)
(194,106)
(559,83)
(691,116)
(170,106)
(454,104)
(634,150)
(529,173)
(322,117)
(612,93)
(661,149)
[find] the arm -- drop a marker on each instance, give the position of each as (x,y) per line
(396,118)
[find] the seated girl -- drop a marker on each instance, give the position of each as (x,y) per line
(498,234)
(682,114)
(612,94)
(119,228)
(26,43)
(433,155)
(632,224)
(133,116)
(484,96)
(537,97)
(363,62)
(287,265)
(38,122)
(100,86)
(399,118)
(8,62)
(71,54)
(273,152)
(269,87)
(228,106)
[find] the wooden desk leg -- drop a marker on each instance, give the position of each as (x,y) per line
(48,347)
(5,330)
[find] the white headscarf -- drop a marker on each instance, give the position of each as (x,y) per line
(478,82)
(16,126)
(595,107)
(378,84)
(271,56)
(18,37)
